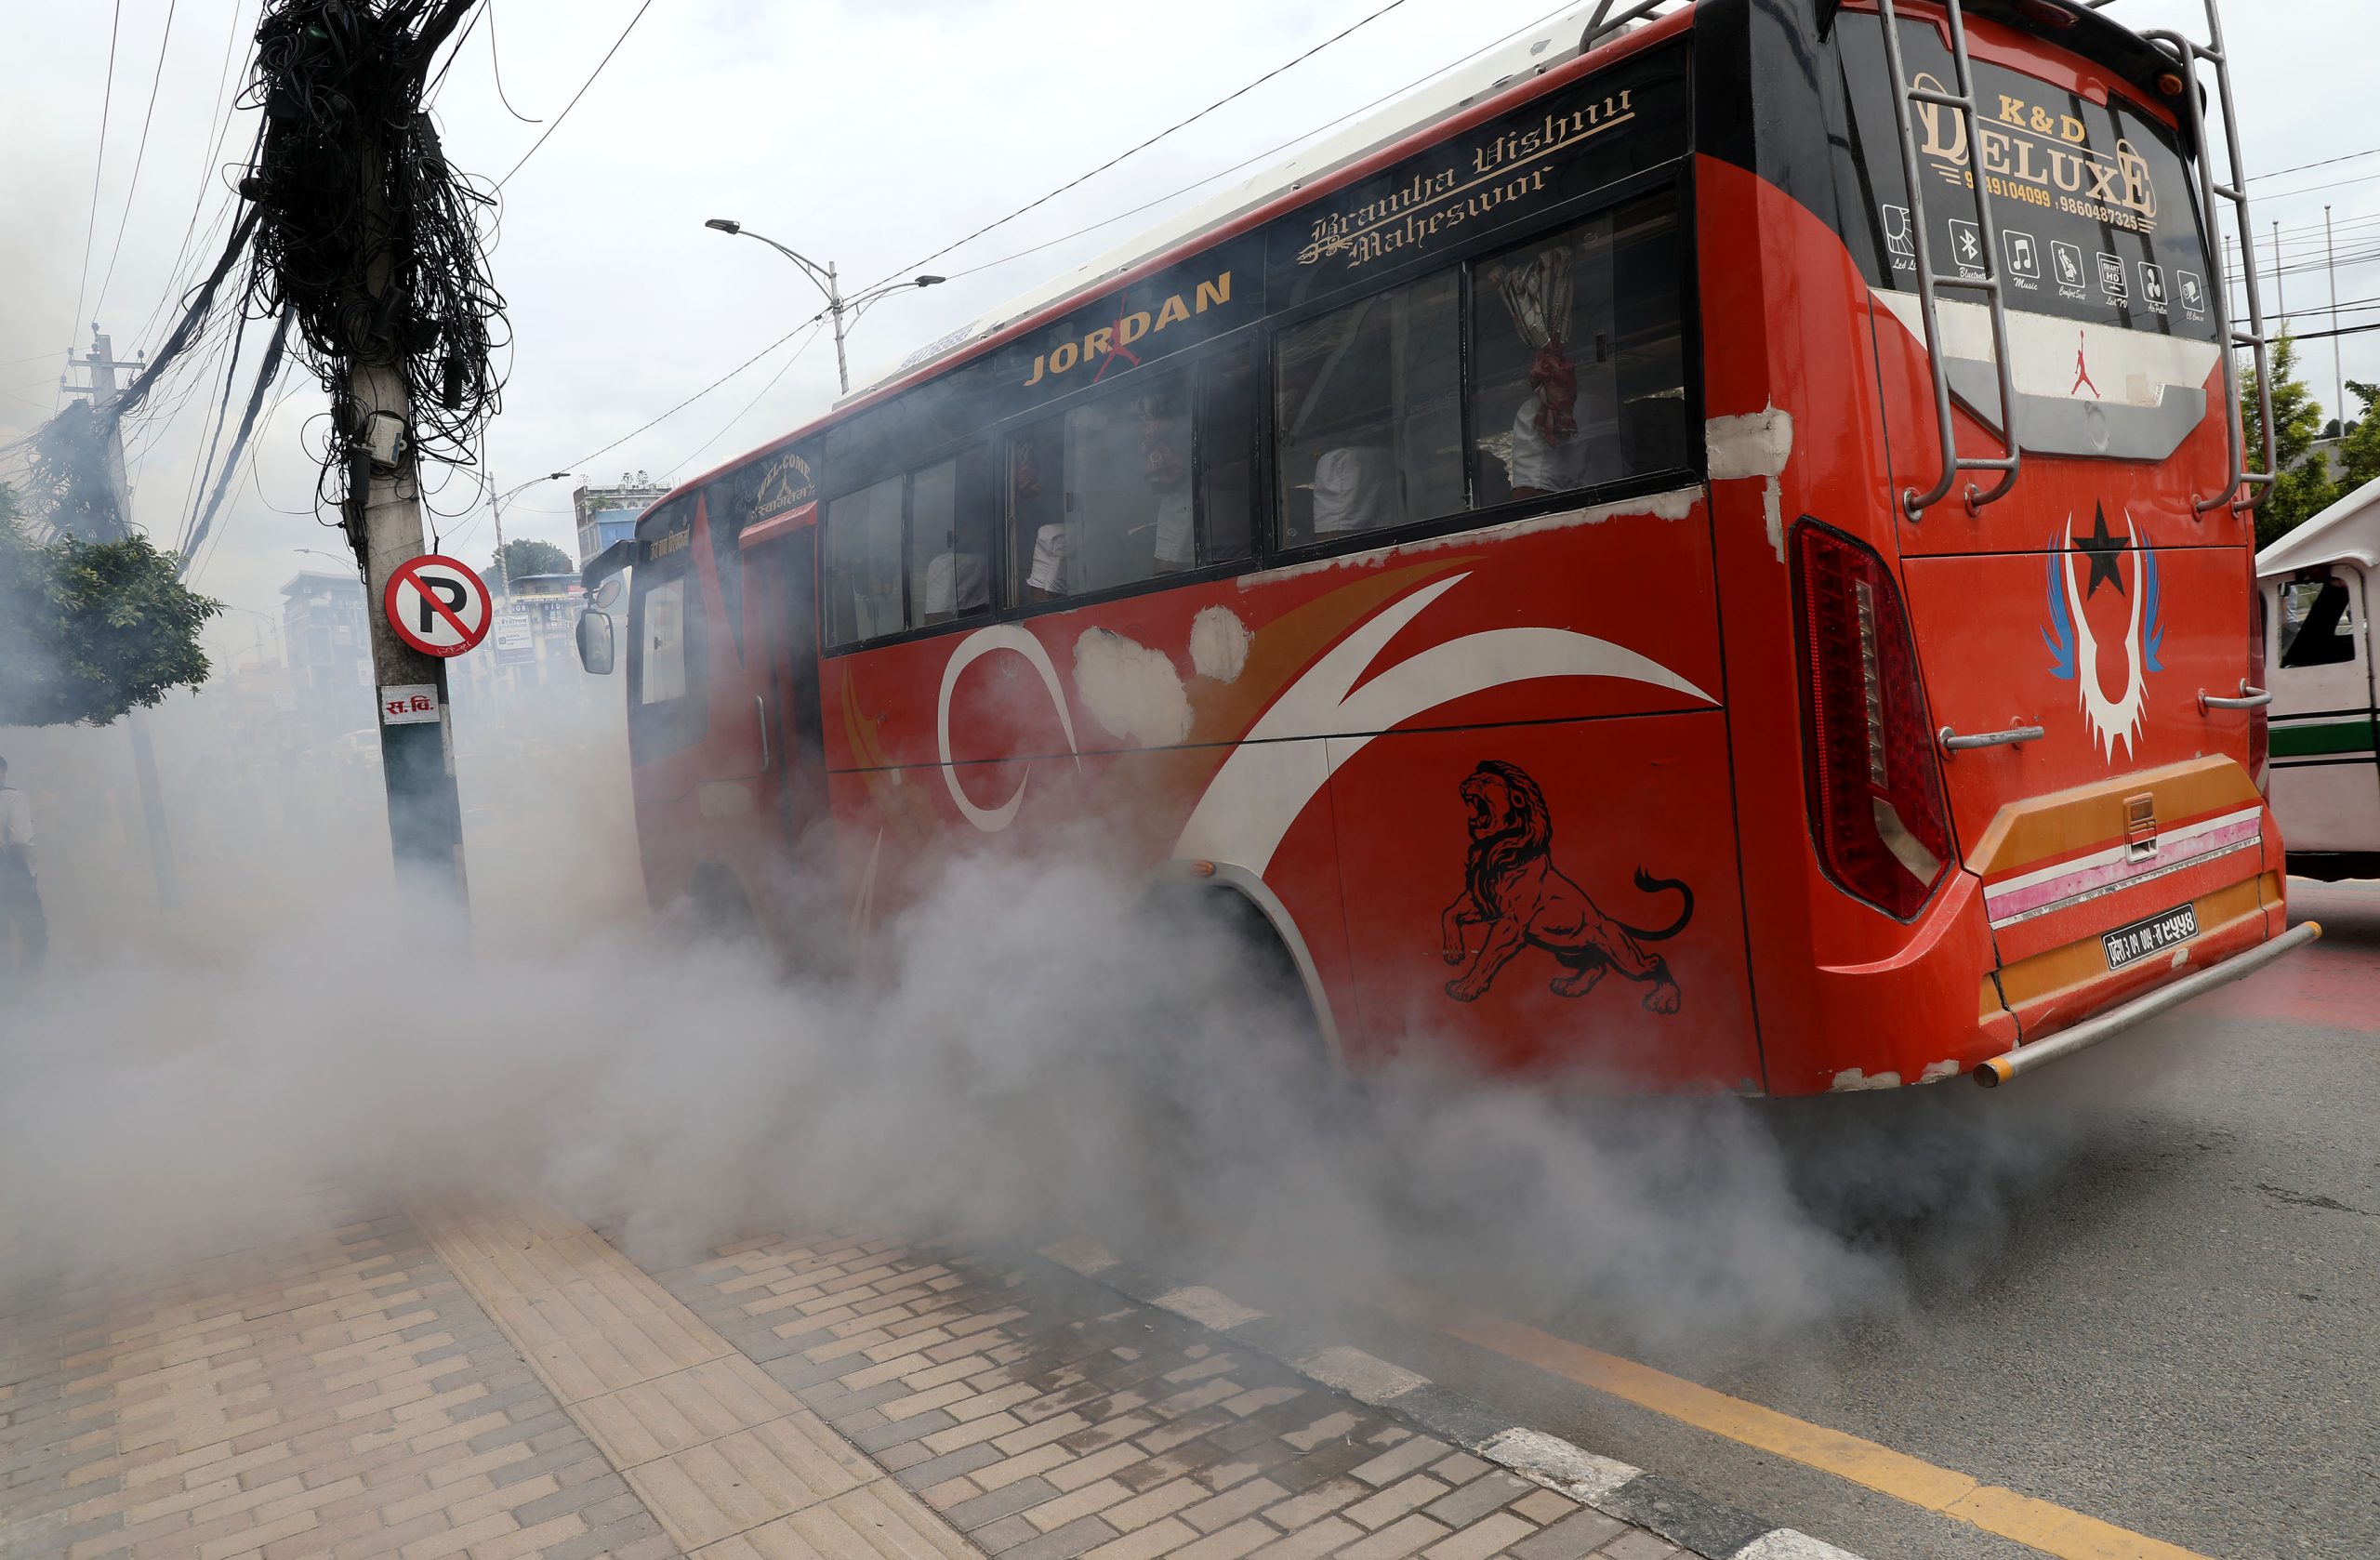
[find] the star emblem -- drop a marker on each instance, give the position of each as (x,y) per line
(2103,550)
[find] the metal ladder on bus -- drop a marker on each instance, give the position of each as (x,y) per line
(1906,95)
(2189,54)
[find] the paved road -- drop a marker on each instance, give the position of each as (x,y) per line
(2144,1286)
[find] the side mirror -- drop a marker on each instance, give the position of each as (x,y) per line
(607,593)
(595,642)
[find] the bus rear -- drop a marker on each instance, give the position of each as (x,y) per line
(2024,688)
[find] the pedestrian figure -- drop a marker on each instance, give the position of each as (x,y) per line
(19,885)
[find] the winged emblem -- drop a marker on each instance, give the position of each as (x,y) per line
(2074,646)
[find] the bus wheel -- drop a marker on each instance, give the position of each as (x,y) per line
(721,912)
(1258,1016)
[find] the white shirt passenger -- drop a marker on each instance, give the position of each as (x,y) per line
(957,582)
(1355,489)
(1049,571)
(1550,468)
(1176,546)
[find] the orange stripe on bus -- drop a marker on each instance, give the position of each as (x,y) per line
(2040,830)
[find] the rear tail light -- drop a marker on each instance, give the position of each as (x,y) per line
(2259,726)
(1873,775)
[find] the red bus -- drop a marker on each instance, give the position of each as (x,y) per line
(1561,559)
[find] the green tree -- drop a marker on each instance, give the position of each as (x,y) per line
(524,556)
(2361,449)
(90,629)
(2303,487)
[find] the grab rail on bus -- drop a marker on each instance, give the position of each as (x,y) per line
(2188,53)
(1907,94)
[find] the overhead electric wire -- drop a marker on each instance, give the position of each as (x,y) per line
(267,371)
(2310,189)
(2326,335)
(1414,85)
(495,62)
(1132,151)
(98,165)
(582,91)
(222,122)
(132,189)
(688,458)
(2319,162)
(582,463)
(222,417)
(1419,80)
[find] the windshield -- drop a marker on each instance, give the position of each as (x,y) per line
(2098,221)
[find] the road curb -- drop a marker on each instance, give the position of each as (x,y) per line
(1616,1488)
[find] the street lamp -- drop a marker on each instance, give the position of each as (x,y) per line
(504,565)
(824,279)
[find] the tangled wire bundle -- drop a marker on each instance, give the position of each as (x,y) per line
(355,229)
(364,232)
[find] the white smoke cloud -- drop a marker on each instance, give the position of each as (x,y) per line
(1045,1056)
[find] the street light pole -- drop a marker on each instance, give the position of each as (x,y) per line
(504,564)
(824,279)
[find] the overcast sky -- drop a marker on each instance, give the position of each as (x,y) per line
(870,134)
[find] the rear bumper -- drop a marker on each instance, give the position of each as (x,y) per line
(2091,1031)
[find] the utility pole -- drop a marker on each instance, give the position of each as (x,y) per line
(835,308)
(100,364)
(2280,281)
(495,503)
(384,524)
(417,760)
(2338,371)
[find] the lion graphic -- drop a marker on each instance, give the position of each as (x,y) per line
(1511,887)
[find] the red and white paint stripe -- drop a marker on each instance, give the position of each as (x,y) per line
(2027,894)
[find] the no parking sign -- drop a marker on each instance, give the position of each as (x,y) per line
(437,604)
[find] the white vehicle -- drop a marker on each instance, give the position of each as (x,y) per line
(2325,775)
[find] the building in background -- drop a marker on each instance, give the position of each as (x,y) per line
(324,627)
(606,515)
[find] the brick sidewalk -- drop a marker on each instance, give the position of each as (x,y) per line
(498,1382)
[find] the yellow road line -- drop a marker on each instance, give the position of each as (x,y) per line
(2039,1524)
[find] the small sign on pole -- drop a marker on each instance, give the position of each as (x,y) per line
(409,704)
(437,604)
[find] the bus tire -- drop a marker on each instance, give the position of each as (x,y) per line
(721,912)
(1280,990)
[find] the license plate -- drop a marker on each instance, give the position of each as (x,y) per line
(2157,934)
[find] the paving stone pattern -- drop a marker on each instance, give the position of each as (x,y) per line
(1048,1425)
(338,1393)
(491,1379)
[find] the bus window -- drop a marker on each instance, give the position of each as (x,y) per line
(666,628)
(1578,356)
(1368,417)
(661,671)
(1227,455)
(950,539)
(1102,494)
(863,595)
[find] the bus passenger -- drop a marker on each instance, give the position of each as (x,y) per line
(1164,430)
(958,584)
(1046,581)
(1355,489)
